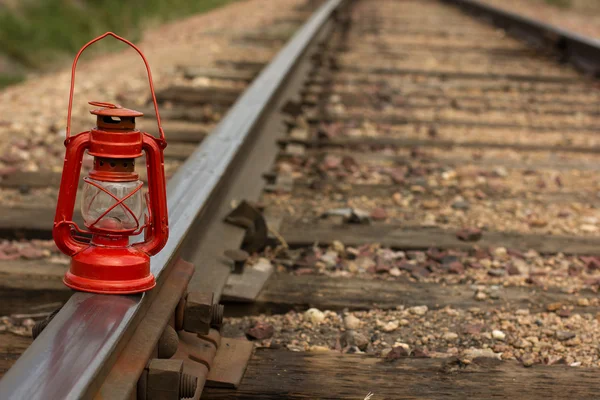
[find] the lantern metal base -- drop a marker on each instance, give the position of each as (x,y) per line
(107,270)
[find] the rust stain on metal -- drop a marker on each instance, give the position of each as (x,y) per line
(122,380)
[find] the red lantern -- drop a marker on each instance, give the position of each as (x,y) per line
(112,205)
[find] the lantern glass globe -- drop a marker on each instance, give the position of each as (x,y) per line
(95,202)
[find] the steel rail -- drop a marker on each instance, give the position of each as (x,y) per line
(581,51)
(75,352)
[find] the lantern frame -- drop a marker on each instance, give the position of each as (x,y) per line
(108,263)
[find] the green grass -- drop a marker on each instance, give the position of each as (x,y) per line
(10,79)
(559,3)
(38,34)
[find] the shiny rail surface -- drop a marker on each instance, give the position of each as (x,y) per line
(77,349)
(583,52)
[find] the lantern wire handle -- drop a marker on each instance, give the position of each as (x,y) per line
(160,129)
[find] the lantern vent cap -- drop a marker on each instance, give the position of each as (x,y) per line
(113,110)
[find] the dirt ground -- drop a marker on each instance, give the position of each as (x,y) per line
(33,114)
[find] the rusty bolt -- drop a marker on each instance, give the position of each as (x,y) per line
(187,386)
(216,317)
(198,312)
(168,343)
(165,380)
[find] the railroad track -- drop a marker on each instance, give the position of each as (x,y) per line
(415,186)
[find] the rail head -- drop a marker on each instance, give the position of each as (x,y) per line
(77,349)
(581,51)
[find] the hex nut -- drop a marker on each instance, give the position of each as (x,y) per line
(198,312)
(164,379)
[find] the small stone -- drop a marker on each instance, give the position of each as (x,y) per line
(573,342)
(450,336)
(501,172)
(396,353)
(405,345)
(588,228)
(314,316)
(430,204)
(448,175)
(476,353)
(330,258)
(564,313)
(500,252)
(456,268)
(31,253)
(351,266)
(353,338)
(385,352)
(461,205)
(382,266)
(351,322)
(513,270)
(472,329)
(591,263)
(494,293)
(469,234)
(319,349)
(429,220)
(418,310)
(332,161)
(583,302)
(537,222)
(395,271)
(553,306)
(378,214)
(419,272)
(480,296)
(364,263)
(398,176)
(260,331)
(574,270)
(498,335)
(521,344)
(564,335)
(28,323)
(418,256)
(338,246)
(527,360)
(390,326)
(497,272)
(419,353)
